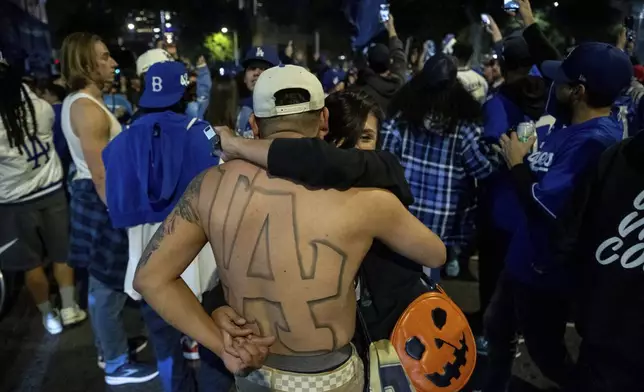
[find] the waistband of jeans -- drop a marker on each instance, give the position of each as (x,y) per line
(310,363)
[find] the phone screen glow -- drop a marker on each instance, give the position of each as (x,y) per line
(384,12)
(510,5)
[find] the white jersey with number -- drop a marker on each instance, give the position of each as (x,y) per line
(474,83)
(75,149)
(33,170)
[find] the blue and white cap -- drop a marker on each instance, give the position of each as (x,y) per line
(267,54)
(165,85)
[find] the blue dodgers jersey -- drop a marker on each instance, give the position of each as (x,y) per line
(149,165)
(502,202)
(562,159)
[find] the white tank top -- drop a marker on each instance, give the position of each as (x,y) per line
(82,171)
(37,171)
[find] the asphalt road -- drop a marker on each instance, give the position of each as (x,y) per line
(32,360)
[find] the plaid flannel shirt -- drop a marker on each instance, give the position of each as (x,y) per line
(442,170)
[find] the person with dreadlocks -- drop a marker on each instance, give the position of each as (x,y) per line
(33,206)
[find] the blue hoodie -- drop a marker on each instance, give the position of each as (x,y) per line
(557,167)
(149,165)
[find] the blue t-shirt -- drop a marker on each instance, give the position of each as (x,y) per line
(116,101)
(563,158)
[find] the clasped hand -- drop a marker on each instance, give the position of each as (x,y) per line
(243,351)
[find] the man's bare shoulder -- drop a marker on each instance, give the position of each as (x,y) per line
(373,196)
(86,114)
(239,166)
(86,106)
(231,173)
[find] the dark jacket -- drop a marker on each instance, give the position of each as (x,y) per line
(600,238)
(383,88)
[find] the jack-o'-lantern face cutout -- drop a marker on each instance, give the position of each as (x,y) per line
(435,344)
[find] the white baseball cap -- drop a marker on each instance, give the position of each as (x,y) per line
(281,78)
(149,58)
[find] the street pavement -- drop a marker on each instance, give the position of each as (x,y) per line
(31,360)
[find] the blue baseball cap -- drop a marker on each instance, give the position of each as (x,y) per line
(165,85)
(601,68)
(266,53)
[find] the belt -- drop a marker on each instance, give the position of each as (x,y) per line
(280,380)
(310,363)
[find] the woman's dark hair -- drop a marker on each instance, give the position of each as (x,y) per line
(15,108)
(223,104)
(446,105)
(348,112)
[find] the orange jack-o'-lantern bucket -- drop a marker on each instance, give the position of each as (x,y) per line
(435,343)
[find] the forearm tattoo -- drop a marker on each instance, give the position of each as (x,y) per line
(185,209)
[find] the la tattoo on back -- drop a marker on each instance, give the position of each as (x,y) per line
(255,258)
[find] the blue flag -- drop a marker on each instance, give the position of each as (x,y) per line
(364,15)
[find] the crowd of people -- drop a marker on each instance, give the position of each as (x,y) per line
(239,211)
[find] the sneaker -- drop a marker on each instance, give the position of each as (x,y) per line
(131,373)
(52,322)
(73,315)
(136,345)
(453,269)
(190,349)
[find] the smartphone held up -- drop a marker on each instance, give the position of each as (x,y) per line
(511,5)
(384,12)
(485,19)
(629,24)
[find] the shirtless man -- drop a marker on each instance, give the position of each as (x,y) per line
(287,255)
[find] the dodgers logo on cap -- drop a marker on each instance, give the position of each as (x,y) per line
(165,85)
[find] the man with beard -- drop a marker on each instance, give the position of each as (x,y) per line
(492,73)
(258,59)
(532,292)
